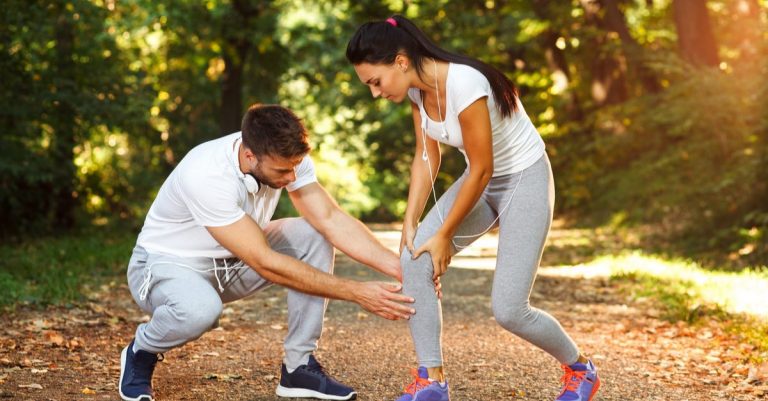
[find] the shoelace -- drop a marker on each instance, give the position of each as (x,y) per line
(572,379)
(316,368)
(418,383)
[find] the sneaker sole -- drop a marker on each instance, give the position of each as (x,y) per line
(120,383)
(288,392)
(594,389)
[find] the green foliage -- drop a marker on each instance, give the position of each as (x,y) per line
(52,103)
(101,99)
(692,166)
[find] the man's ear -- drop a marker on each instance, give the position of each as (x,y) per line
(250,156)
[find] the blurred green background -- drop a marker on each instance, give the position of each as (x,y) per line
(655,115)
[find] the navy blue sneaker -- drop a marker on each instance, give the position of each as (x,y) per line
(136,374)
(311,381)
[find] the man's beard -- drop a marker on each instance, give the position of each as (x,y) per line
(259,176)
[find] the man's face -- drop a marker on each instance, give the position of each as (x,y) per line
(275,171)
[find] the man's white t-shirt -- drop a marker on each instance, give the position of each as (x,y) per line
(206,190)
(516,142)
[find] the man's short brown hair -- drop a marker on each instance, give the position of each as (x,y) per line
(273,130)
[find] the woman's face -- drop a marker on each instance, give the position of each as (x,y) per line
(389,81)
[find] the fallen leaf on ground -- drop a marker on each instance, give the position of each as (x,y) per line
(54,337)
(222,377)
(757,374)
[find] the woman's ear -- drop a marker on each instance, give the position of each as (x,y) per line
(402,62)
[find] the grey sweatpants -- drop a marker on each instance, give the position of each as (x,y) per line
(524,226)
(185,303)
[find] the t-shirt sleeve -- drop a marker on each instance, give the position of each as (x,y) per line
(211,200)
(305,174)
(468,86)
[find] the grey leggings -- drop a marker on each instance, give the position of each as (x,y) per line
(524,226)
(185,303)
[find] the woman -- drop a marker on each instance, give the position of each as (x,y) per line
(465,103)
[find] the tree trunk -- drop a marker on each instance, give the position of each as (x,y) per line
(749,28)
(614,21)
(235,56)
(232,86)
(609,81)
(696,41)
(63,121)
(557,61)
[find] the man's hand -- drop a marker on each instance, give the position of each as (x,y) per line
(383,299)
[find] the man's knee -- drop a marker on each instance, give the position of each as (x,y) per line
(194,318)
(319,252)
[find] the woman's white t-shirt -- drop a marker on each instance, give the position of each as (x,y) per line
(516,142)
(206,190)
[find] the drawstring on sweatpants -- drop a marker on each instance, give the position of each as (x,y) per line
(146,284)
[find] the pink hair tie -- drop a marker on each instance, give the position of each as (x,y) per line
(392,21)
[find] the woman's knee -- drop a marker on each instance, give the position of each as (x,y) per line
(417,274)
(416,269)
(514,319)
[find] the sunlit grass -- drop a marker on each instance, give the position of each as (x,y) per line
(685,291)
(56,270)
(742,292)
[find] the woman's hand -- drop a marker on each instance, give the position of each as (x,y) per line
(407,236)
(406,240)
(440,249)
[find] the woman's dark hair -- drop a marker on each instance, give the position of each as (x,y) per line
(275,131)
(380,42)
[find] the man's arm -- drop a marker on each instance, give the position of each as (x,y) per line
(344,231)
(246,240)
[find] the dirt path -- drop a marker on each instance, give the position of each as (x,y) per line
(73,353)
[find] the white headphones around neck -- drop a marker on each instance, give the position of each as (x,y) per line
(250,182)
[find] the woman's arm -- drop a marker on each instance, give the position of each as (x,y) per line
(421,180)
(475,123)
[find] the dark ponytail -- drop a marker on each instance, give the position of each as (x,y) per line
(381,41)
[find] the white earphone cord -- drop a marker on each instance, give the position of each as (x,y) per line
(425,157)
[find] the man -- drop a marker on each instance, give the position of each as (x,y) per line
(208,240)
